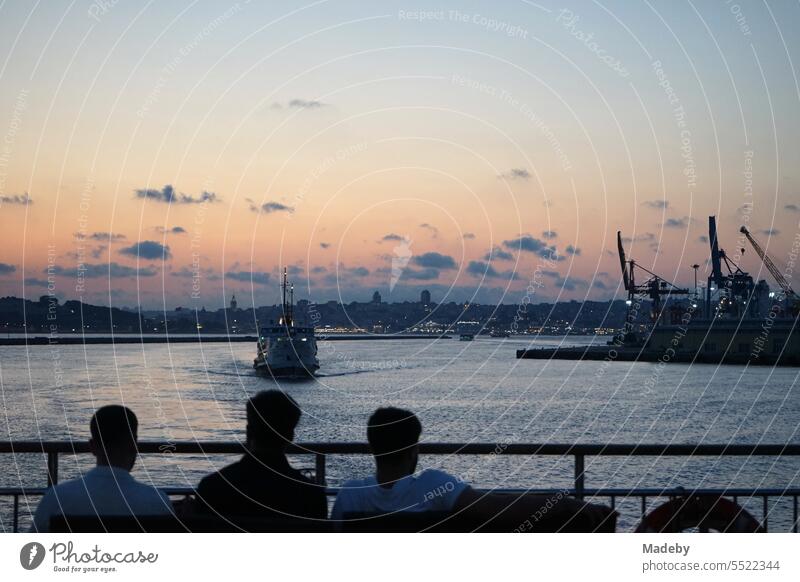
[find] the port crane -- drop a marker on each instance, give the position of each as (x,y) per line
(737,284)
(791,296)
(774,271)
(654,287)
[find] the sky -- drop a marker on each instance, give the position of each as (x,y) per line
(173,154)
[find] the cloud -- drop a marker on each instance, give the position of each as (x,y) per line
(392,237)
(657,204)
(306,104)
(531,244)
(481,269)
(345,274)
(571,250)
(770,232)
(21,200)
(550,234)
(6,269)
(257,277)
(792,208)
(566,283)
(428,274)
(357,271)
(434,231)
(498,254)
(196,273)
(295,270)
(318,270)
(148,249)
(168,195)
(269,207)
(598,284)
(570,283)
(102,270)
(173,230)
(101,236)
(703,239)
(34,282)
(677,222)
(645,236)
(324,245)
(435,261)
(516,174)
(469,236)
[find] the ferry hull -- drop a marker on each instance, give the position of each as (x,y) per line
(289,372)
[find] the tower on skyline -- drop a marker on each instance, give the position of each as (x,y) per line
(425,297)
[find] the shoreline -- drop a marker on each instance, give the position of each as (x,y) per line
(77,339)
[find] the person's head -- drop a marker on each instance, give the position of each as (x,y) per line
(114,431)
(393,435)
(272,417)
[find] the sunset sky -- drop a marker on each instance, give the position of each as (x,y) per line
(169,154)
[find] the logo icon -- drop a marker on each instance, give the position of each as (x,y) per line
(31,555)
(402,255)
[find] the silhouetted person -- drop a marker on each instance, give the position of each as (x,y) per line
(393,436)
(263,484)
(108,489)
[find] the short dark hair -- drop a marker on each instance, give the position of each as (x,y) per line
(272,416)
(114,425)
(391,432)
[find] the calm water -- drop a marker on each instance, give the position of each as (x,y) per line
(463,391)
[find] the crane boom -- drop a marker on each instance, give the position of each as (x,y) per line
(623,263)
(774,271)
(716,255)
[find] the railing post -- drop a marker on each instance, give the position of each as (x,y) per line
(52,468)
(579,476)
(319,462)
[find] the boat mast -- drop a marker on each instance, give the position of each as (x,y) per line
(287,307)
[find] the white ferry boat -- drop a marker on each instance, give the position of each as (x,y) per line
(286,350)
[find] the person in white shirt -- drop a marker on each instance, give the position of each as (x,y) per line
(393,436)
(108,489)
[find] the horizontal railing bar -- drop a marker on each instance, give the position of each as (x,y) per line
(345,448)
(646,492)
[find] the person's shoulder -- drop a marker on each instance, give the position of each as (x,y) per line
(222,477)
(66,488)
(355,484)
(440,482)
(436,475)
(355,489)
(352,496)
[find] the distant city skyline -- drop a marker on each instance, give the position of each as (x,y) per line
(176,154)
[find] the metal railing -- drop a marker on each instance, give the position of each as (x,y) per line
(320,451)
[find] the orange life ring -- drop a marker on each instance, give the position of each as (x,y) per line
(704,512)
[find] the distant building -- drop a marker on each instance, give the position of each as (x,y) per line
(376,297)
(233,302)
(425,297)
